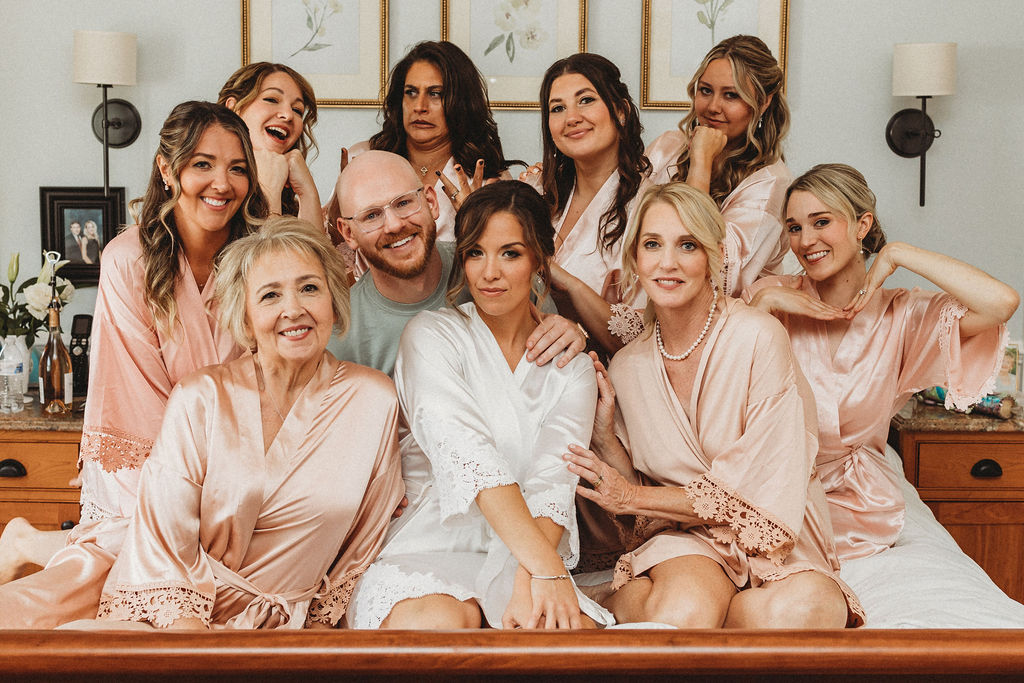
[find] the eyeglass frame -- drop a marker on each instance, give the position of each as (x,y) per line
(390,205)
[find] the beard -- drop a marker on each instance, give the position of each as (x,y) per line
(376,258)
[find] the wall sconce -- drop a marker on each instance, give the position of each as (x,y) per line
(919,70)
(106,58)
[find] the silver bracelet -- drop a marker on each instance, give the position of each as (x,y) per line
(559,577)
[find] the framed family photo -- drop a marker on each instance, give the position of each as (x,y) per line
(513,43)
(340,46)
(676,34)
(78,222)
(1008,381)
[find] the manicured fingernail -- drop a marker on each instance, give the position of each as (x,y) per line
(458,167)
(480,162)
(437,173)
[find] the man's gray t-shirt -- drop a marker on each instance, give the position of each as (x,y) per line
(377,322)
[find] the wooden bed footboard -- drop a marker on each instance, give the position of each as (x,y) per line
(304,656)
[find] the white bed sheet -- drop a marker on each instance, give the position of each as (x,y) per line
(923,581)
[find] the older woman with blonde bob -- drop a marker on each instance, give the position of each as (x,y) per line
(715,438)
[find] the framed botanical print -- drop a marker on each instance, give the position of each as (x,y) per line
(341,47)
(514,42)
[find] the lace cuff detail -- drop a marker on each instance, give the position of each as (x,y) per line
(113,449)
(550,505)
(626,323)
(92,512)
(956,398)
(739,521)
(329,604)
(161,605)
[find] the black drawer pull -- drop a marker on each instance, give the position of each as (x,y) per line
(986,468)
(67,524)
(11,468)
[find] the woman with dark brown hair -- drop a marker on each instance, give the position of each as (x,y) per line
(436,115)
(152,327)
(490,531)
(279,108)
(593,166)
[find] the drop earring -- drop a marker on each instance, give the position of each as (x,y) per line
(167,188)
(760,122)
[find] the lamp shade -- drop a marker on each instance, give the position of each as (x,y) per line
(923,69)
(104,58)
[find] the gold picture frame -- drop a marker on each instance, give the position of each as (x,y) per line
(537,35)
(340,76)
(675,38)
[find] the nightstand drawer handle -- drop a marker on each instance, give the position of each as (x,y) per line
(986,469)
(11,468)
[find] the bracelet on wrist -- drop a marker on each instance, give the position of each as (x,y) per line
(557,577)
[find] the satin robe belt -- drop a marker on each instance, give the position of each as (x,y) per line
(265,610)
(864,500)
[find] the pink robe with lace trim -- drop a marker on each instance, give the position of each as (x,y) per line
(236,538)
(133,368)
(744,456)
(755,242)
(902,342)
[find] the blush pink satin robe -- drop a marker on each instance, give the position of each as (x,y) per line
(755,242)
(744,455)
(242,539)
(133,368)
(902,342)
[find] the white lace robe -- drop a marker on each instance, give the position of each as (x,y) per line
(475,424)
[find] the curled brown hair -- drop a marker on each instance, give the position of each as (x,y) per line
(559,174)
(757,77)
(524,204)
(471,127)
(843,189)
(158,234)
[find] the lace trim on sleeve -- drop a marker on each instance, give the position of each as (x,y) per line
(329,603)
(460,471)
(956,399)
(113,449)
(555,507)
(740,521)
(161,605)
(93,512)
(626,322)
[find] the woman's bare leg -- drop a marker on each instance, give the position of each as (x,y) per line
(435,613)
(22,545)
(686,592)
(804,600)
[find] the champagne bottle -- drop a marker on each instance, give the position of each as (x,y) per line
(55,376)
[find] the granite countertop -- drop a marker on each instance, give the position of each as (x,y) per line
(921,417)
(32,419)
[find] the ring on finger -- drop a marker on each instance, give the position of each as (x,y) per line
(597,482)
(453,195)
(862,292)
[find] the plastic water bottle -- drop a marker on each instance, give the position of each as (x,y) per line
(12,371)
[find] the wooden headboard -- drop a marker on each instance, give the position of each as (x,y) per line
(306,656)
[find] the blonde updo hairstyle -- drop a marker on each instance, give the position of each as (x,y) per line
(698,214)
(278,234)
(844,190)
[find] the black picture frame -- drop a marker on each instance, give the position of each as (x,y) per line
(62,207)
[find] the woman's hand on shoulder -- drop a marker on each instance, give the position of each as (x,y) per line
(608,488)
(551,337)
(784,299)
(542,603)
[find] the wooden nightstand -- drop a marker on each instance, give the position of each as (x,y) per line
(970,471)
(38,457)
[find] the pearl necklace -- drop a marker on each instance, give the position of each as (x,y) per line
(686,354)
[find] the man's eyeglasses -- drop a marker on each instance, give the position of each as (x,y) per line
(372,219)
